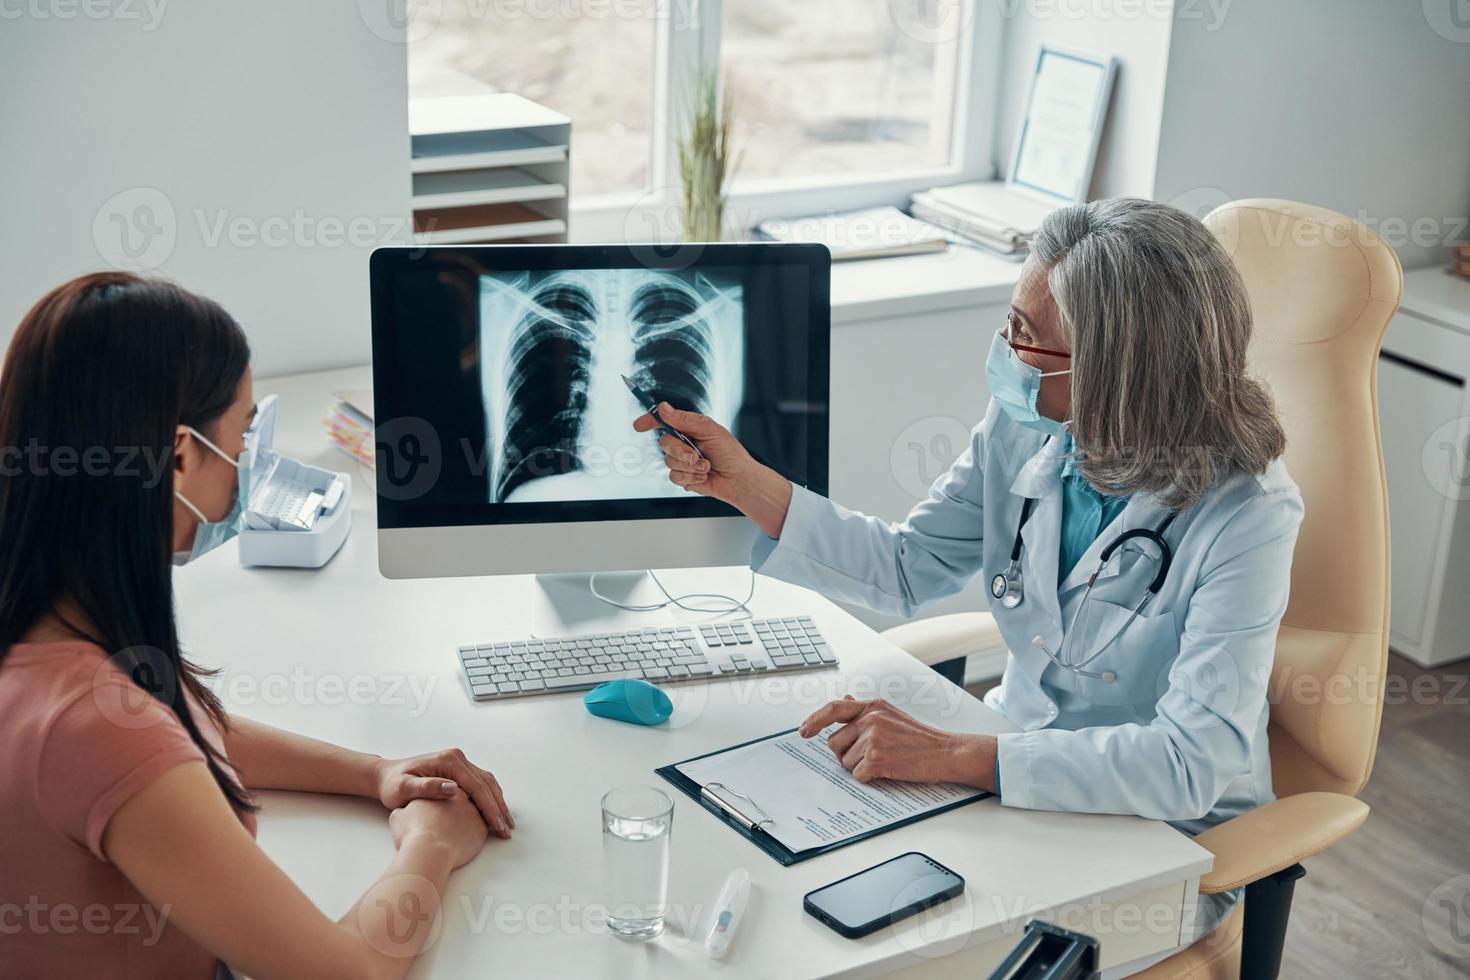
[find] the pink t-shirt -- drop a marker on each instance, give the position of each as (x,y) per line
(78,739)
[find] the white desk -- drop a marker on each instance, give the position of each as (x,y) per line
(344,655)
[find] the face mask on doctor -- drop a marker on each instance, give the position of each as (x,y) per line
(1016,384)
(211,534)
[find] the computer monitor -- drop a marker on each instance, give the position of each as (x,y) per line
(504,431)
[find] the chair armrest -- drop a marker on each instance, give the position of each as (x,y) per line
(940,638)
(1262,841)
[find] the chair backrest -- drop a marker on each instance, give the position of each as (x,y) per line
(1322,289)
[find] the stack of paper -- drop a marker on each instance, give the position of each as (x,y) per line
(349,424)
(869,234)
(797,791)
(985,213)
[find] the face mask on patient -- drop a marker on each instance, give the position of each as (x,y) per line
(211,534)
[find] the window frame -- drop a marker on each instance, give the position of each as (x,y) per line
(687,36)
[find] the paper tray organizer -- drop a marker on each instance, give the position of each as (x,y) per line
(269,472)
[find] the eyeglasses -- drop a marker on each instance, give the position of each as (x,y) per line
(1006,332)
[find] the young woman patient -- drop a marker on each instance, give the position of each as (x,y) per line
(127,830)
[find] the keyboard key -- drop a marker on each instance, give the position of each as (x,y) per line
(589,680)
(510,687)
(678,671)
(656,673)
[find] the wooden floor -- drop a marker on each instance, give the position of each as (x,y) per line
(1359,911)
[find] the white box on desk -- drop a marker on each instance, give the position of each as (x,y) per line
(301,547)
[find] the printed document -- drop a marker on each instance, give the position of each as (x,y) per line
(803,796)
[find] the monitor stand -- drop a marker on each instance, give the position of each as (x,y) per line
(563,605)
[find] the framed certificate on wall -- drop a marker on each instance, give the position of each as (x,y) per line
(1065,108)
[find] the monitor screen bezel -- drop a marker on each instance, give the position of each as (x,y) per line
(395,511)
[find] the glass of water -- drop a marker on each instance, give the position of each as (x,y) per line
(636,821)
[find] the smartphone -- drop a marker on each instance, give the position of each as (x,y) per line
(883,894)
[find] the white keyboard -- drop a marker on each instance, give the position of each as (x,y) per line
(659,654)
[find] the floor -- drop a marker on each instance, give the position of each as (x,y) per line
(1360,912)
(1361,909)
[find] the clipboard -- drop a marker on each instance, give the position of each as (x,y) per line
(743,815)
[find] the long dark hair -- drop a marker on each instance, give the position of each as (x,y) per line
(105,367)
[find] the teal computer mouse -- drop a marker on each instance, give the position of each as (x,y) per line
(634,701)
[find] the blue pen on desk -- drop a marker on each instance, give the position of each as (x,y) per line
(651,404)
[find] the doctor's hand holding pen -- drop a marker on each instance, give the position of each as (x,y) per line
(876,740)
(727,472)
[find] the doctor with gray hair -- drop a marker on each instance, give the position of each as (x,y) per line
(1124,500)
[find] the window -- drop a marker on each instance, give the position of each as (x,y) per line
(837,103)
(834,87)
(592,61)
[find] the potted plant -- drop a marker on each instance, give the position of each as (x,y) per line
(705,162)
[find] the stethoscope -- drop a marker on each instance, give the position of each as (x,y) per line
(1009,588)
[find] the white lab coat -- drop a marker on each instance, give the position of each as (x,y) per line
(1180,735)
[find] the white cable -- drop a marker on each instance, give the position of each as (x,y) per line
(673,600)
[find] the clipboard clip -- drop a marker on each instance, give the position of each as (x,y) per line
(749,824)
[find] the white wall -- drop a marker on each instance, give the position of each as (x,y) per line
(1138,35)
(286,121)
(891,440)
(1361,106)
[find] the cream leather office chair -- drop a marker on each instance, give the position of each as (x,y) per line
(1322,289)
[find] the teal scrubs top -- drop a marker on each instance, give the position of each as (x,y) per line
(1085,513)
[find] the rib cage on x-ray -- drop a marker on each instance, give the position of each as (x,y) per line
(553,346)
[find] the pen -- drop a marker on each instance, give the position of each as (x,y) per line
(727,911)
(648,401)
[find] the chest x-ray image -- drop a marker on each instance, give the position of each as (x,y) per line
(553,346)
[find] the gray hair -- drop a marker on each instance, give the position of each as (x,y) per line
(1157,319)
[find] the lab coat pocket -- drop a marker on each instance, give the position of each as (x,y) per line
(1133,654)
